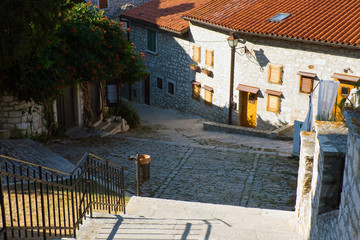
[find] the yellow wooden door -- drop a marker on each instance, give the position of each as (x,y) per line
(251,109)
(247,109)
(343,92)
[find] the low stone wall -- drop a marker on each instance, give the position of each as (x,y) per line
(329,208)
(276,134)
(16,115)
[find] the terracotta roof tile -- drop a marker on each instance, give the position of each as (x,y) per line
(331,21)
(165,14)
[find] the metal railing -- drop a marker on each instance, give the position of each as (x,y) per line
(40,202)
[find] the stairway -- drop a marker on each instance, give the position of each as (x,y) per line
(112,125)
(151,218)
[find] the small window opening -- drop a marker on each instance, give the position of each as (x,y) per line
(279,17)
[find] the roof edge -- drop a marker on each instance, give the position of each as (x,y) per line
(271,36)
(185,30)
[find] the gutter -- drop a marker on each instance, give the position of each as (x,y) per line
(157,26)
(270,36)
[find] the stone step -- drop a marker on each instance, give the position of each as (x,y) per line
(151,218)
(113,128)
(103,125)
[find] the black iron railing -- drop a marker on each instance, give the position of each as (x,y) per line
(39,202)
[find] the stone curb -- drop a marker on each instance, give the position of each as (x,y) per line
(212,126)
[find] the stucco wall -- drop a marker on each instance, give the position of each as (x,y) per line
(251,69)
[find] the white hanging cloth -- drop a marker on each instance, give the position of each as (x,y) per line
(328,90)
(307,125)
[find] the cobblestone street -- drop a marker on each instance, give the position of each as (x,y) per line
(198,173)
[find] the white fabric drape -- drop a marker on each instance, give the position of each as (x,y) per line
(327,96)
(307,125)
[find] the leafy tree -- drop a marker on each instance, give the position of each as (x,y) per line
(24,27)
(86,47)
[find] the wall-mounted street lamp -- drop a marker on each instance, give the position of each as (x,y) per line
(233,42)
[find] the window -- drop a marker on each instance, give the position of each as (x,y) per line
(306,82)
(159,83)
(279,17)
(151,40)
(196,90)
(275,73)
(209,58)
(208,95)
(273,101)
(345,92)
(103,3)
(171,88)
(196,54)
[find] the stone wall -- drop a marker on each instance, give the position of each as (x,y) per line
(16,115)
(330,208)
(251,68)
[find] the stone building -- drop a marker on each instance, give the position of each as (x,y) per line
(328,192)
(283,52)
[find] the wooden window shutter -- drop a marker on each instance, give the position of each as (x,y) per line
(306,84)
(275,73)
(209,58)
(196,92)
(273,104)
(208,98)
(196,54)
(103,4)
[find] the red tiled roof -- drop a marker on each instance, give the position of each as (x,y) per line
(165,14)
(332,21)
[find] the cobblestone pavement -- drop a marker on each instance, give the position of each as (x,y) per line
(200,173)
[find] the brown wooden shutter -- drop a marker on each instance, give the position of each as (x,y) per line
(306,84)
(275,73)
(208,98)
(196,92)
(209,58)
(196,54)
(273,103)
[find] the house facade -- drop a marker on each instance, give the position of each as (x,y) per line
(277,63)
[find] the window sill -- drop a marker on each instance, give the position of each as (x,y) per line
(151,52)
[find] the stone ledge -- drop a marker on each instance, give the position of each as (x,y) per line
(275,134)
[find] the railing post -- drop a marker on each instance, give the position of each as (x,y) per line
(3,215)
(73,205)
(123,189)
(89,185)
(42,202)
(108,185)
(137,162)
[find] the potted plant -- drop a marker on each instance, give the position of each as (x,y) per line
(206,71)
(194,66)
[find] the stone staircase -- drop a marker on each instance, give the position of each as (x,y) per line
(112,125)
(151,218)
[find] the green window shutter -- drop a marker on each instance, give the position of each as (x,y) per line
(151,40)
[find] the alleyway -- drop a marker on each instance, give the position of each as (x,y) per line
(190,164)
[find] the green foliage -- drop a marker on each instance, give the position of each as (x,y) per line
(126,111)
(86,47)
(26,26)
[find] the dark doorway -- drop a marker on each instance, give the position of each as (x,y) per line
(95,102)
(65,106)
(147,90)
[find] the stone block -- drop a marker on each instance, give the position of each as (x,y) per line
(13,120)
(15,114)
(7,98)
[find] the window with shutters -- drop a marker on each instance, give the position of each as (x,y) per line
(306,82)
(273,104)
(196,91)
(196,54)
(209,58)
(159,83)
(151,41)
(171,87)
(273,100)
(208,92)
(275,73)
